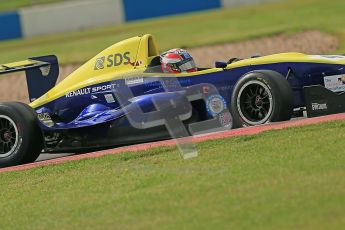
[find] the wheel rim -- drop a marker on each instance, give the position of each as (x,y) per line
(8,136)
(254,102)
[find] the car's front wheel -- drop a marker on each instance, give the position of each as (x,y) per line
(260,97)
(20,137)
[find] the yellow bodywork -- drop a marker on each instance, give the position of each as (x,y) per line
(136,53)
(132,56)
(289,57)
(126,57)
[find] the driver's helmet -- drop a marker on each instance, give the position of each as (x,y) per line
(177,61)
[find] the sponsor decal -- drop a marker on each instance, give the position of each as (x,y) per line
(99,63)
(335,83)
(89,90)
(113,60)
(156,83)
(118,59)
(109,98)
(226,87)
(137,63)
(134,80)
(45,119)
(79,92)
(215,104)
(316,106)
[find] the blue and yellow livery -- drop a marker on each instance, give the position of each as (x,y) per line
(90,108)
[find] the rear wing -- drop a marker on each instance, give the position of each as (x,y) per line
(41,73)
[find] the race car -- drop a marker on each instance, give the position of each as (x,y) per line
(121,97)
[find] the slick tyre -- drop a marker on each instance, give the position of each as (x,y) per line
(261,97)
(20,136)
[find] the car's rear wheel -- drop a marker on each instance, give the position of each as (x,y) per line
(260,97)
(20,137)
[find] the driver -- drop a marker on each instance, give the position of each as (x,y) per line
(177,61)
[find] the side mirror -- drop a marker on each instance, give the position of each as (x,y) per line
(220,64)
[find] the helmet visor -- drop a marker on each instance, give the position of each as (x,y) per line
(187,65)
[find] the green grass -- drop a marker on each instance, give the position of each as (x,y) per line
(8,5)
(213,27)
(285,179)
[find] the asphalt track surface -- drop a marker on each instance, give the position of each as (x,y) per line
(50,159)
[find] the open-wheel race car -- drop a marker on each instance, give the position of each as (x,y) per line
(90,108)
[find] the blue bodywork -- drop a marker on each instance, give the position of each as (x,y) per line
(96,120)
